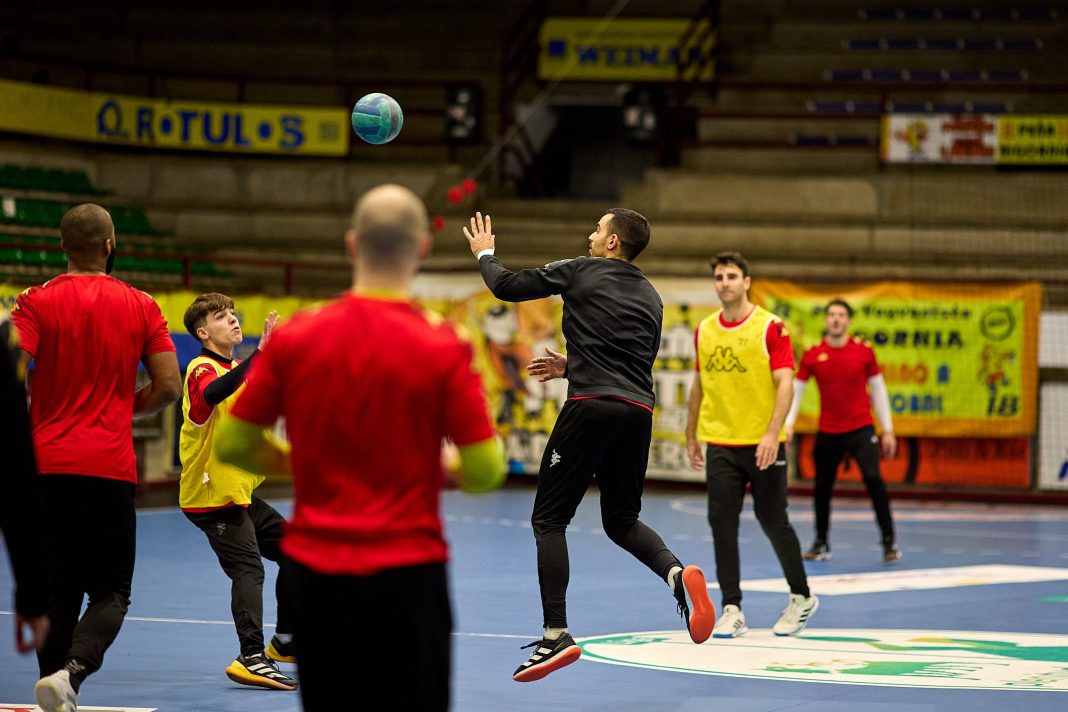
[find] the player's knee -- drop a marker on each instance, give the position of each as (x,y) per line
(770,518)
(617,528)
(544,527)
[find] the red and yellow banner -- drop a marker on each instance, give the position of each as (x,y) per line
(960,360)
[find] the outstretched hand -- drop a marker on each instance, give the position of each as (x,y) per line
(546,368)
(480,236)
(268,326)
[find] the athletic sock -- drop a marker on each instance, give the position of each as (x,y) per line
(672,573)
(554,633)
(284,638)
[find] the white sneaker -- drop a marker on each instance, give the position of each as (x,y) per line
(731,623)
(55,694)
(795,617)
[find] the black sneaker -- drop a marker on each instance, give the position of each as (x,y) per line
(695,607)
(259,671)
(282,652)
(891,553)
(820,551)
(548,656)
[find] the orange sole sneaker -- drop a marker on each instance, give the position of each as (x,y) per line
(537,672)
(702,612)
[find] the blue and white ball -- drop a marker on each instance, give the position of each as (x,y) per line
(377,118)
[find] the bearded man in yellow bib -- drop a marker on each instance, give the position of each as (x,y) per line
(734,429)
(217,497)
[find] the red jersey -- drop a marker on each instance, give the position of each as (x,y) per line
(86,334)
(368,388)
(842,376)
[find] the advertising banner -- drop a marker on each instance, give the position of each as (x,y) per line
(634,49)
(1033,140)
(178,124)
(939,138)
(1053,438)
(959,360)
(975,138)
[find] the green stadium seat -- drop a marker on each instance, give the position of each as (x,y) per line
(56,180)
(12,176)
(78,182)
(37,178)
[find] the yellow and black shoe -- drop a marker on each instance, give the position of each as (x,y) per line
(259,671)
(282,652)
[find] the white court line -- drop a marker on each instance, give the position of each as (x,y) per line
(909,512)
(200,621)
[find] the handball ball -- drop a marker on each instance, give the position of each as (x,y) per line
(377,118)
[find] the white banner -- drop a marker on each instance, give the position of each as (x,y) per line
(939,138)
(1053,437)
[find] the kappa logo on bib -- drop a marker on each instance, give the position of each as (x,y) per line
(898,658)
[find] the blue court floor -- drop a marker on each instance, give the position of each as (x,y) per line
(974,617)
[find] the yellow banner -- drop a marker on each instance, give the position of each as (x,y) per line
(959,360)
(639,49)
(173,124)
(1033,139)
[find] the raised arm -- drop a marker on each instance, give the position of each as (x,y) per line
(511,286)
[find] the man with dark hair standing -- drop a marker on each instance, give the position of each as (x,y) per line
(738,402)
(851,384)
(366,411)
(86,332)
(20,509)
(612,318)
(219,499)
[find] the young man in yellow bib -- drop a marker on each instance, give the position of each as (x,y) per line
(217,497)
(734,429)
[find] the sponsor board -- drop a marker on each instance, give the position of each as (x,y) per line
(894,658)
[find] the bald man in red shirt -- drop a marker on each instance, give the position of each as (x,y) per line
(369,385)
(851,384)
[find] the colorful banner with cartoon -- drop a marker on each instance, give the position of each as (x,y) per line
(960,364)
(959,360)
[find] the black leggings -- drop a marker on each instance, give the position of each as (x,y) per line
(863,445)
(728,470)
(91,537)
(239,537)
(609,438)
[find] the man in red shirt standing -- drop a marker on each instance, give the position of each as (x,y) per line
(369,385)
(86,332)
(850,384)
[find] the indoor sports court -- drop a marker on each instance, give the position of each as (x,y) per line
(972,617)
(815,247)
